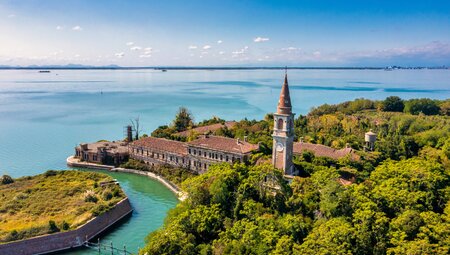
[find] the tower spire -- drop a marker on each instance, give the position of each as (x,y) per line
(284,103)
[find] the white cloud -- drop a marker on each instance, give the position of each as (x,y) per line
(219,41)
(135,48)
(316,53)
(77,28)
(261,39)
(221,52)
(290,49)
(204,52)
(145,56)
(240,52)
(192,47)
(148,49)
(207,47)
(130,43)
(77,55)
(59,28)
(11,16)
(119,55)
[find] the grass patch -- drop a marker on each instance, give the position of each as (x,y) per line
(54,201)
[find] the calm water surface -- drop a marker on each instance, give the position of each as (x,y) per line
(44,115)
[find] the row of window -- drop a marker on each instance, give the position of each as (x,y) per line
(158,156)
(212,155)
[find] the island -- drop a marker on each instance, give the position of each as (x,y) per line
(57,210)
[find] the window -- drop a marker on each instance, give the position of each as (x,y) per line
(280,123)
(221,157)
(176,159)
(163,156)
(189,151)
(226,158)
(204,166)
(209,155)
(94,157)
(204,154)
(217,156)
(195,152)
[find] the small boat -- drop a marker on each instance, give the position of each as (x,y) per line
(44,71)
(163,70)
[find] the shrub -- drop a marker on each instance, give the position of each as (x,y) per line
(107,195)
(52,228)
(65,225)
(50,173)
(6,179)
(89,196)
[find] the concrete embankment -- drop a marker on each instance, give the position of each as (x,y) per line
(70,239)
(74,162)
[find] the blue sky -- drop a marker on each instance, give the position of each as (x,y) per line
(224,33)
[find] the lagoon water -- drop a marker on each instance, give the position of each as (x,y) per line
(44,115)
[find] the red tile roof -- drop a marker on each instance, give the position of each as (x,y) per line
(162,144)
(320,150)
(206,129)
(224,144)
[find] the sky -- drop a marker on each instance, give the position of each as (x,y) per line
(225,33)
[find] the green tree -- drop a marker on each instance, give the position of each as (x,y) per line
(422,105)
(183,119)
(334,236)
(393,104)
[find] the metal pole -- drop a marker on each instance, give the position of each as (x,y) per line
(112,251)
(98,245)
(124,250)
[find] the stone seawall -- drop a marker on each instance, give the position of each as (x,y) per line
(70,239)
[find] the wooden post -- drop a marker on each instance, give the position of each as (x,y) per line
(98,246)
(112,251)
(124,250)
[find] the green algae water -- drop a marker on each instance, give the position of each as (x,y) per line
(43,116)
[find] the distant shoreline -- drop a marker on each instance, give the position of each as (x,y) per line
(209,68)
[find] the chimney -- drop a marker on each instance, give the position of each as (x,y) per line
(129,133)
(301,139)
(238,141)
(245,138)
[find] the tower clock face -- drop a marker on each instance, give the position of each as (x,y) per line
(280,147)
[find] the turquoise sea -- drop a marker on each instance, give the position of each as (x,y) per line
(43,116)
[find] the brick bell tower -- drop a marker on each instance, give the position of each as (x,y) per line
(283,132)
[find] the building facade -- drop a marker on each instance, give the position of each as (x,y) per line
(196,155)
(105,153)
(283,132)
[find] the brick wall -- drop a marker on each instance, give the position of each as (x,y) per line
(70,239)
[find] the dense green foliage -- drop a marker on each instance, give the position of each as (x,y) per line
(395,200)
(402,206)
(172,174)
(53,201)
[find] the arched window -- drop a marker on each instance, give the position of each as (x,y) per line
(280,123)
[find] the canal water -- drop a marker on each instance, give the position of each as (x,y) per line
(43,116)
